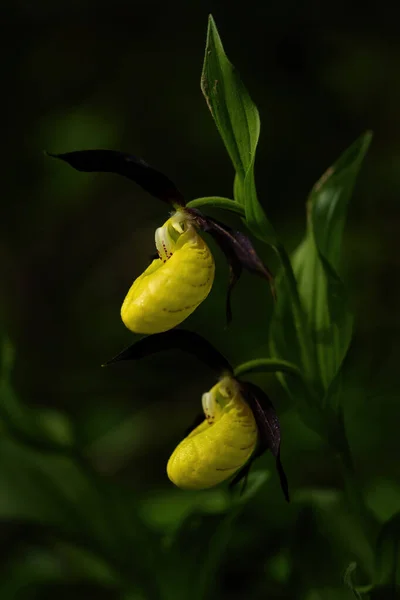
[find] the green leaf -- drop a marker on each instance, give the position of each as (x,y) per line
(256,220)
(388,554)
(287,337)
(234,113)
(238,191)
(63,498)
(324,298)
(317,259)
(254,483)
(329,200)
(316,334)
(45,430)
(27,572)
(52,491)
(219,540)
(203,539)
(238,122)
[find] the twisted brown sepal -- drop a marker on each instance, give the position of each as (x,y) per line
(239,252)
(268,429)
(121,163)
(179,339)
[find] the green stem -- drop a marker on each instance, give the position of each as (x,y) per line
(217,202)
(339,443)
(267,365)
(299,316)
(218,544)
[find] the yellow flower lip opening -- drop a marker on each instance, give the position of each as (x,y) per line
(167,235)
(220,445)
(174,284)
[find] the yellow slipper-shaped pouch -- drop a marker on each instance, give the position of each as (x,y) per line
(174,284)
(220,445)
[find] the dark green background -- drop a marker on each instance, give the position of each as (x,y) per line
(126,76)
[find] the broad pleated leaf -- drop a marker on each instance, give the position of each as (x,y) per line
(323,297)
(285,344)
(316,261)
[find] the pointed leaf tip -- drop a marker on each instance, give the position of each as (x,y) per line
(238,122)
(179,339)
(121,163)
(317,262)
(233,111)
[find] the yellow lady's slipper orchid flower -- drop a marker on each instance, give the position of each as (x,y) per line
(238,423)
(173,286)
(220,445)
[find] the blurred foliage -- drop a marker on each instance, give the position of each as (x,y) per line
(85,505)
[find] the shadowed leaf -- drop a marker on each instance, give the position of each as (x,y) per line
(121,163)
(179,339)
(388,554)
(205,539)
(317,260)
(328,320)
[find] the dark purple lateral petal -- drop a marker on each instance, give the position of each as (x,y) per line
(122,163)
(180,339)
(235,271)
(268,427)
(250,260)
(238,250)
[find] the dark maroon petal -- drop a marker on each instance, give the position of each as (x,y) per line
(238,250)
(121,163)
(235,271)
(180,339)
(268,427)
